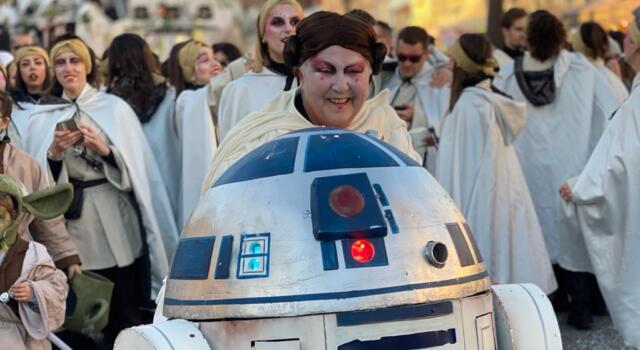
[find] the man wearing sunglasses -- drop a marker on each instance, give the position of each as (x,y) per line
(413,94)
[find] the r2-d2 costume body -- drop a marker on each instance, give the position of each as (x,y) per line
(328,239)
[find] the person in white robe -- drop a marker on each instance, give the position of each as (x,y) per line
(133,75)
(328,96)
(122,216)
(513,29)
(33,82)
(269,74)
(478,166)
(190,72)
(601,208)
(591,40)
(566,111)
(417,101)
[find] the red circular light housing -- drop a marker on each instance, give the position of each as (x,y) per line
(362,251)
(346,201)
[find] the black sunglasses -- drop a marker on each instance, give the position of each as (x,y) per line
(412,58)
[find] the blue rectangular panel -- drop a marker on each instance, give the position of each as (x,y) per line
(329,225)
(381,196)
(393,314)
(392,221)
(192,258)
(329,255)
(464,254)
(422,340)
(474,244)
(224,258)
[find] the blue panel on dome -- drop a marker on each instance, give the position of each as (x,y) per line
(273,158)
(192,258)
(460,242)
(408,161)
(473,242)
(342,151)
(328,225)
(224,258)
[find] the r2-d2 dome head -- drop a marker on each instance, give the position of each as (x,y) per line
(320,221)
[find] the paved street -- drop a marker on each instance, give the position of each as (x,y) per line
(601,337)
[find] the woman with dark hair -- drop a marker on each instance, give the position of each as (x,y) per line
(478,166)
(334,57)
(133,75)
(121,219)
(603,202)
(269,74)
(592,41)
(225,53)
(33,83)
(567,113)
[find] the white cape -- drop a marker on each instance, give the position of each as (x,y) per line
(163,138)
(197,138)
(20,115)
(617,86)
(120,124)
(478,166)
(605,210)
(558,138)
(245,95)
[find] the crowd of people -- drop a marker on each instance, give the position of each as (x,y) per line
(536,141)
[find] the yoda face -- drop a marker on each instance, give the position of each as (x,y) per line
(8,212)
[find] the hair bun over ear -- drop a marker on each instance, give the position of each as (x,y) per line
(379,52)
(291,52)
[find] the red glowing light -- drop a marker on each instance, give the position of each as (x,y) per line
(362,251)
(346,201)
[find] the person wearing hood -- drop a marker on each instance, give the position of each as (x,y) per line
(478,166)
(133,75)
(121,219)
(334,57)
(567,113)
(412,95)
(601,206)
(591,40)
(32,87)
(32,290)
(269,74)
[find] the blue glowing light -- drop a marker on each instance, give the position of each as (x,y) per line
(254,264)
(255,248)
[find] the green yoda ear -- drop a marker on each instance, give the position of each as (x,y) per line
(50,202)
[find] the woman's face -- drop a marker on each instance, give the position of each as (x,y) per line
(70,73)
(334,85)
(206,66)
(33,71)
(280,25)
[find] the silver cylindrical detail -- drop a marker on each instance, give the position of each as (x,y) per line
(436,253)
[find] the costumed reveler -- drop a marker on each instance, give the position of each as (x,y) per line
(478,166)
(269,74)
(335,57)
(412,93)
(566,114)
(22,167)
(190,68)
(32,291)
(133,75)
(591,40)
(121,219)
(32,86)
(601,215)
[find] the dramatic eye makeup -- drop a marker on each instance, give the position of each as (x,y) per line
(279,21)
(321,66)
(355,68)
